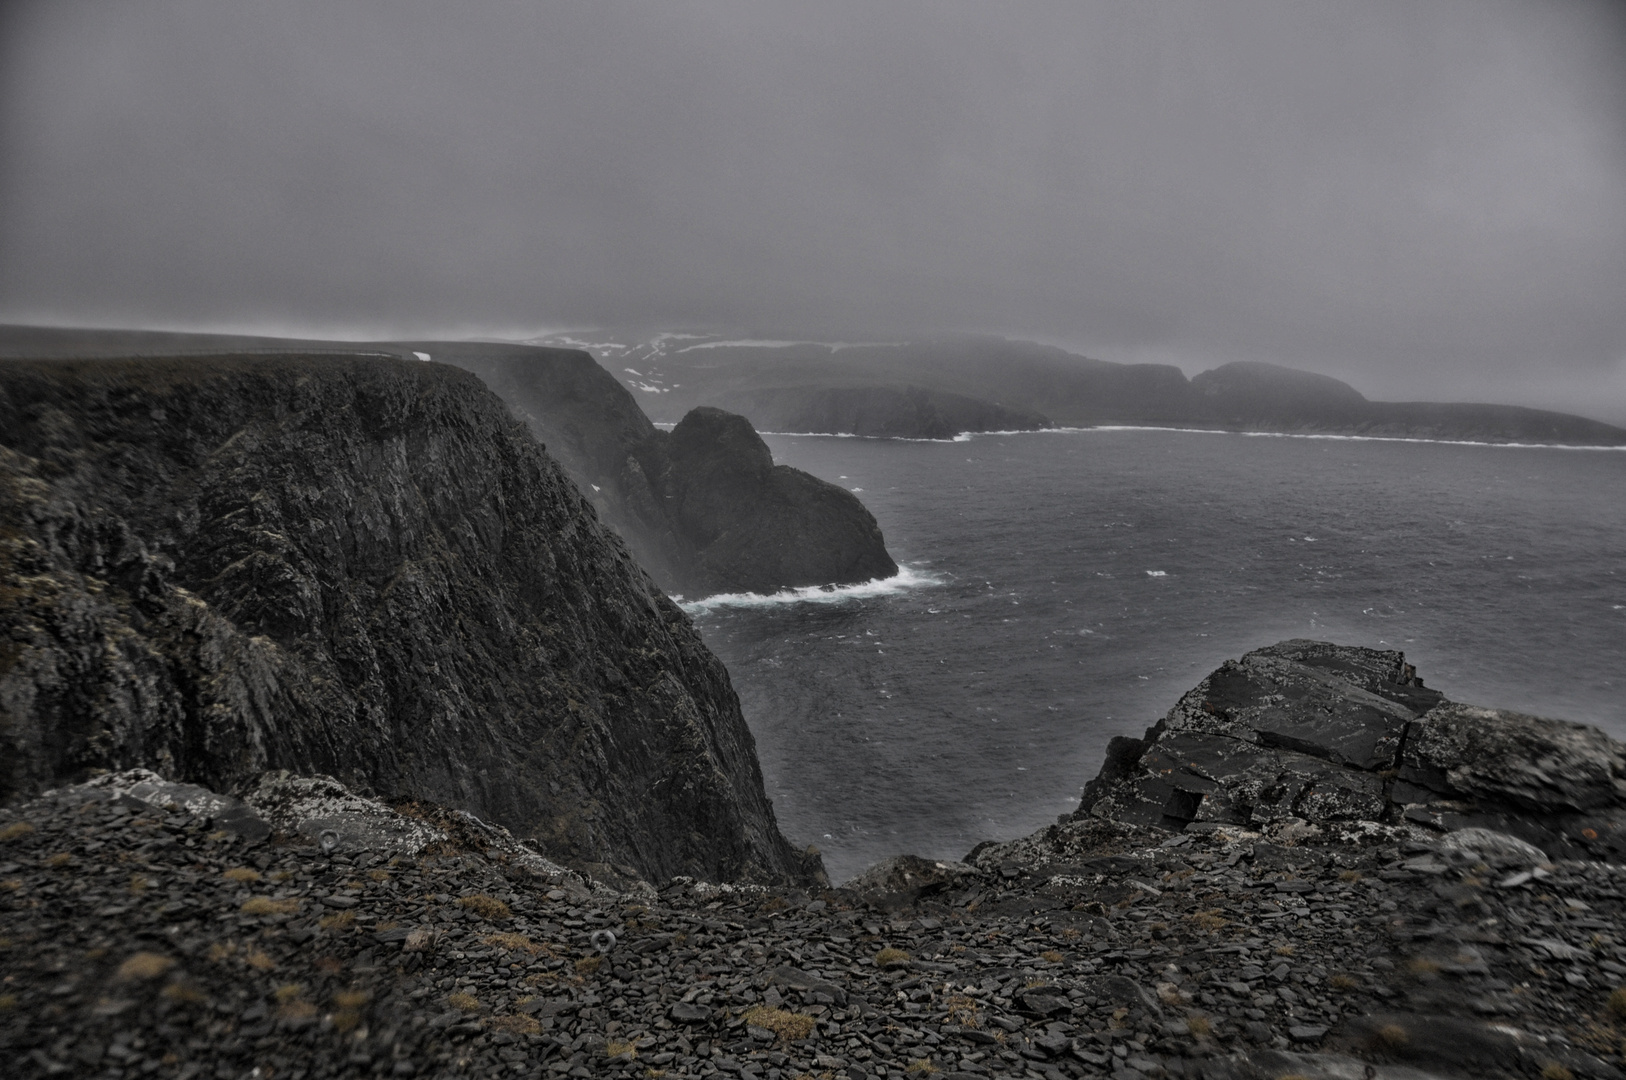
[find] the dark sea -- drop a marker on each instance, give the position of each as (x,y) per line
(1060,588)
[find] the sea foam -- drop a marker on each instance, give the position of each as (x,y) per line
(906,579)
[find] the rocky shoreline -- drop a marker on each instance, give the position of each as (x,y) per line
(158,929)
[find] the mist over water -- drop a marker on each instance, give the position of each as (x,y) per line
(1068,587)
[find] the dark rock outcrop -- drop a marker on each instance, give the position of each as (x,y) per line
(1308,732)
(752,523)
(361,567)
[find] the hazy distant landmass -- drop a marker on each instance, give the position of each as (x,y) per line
(991,384)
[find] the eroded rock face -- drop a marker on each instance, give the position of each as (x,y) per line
(1314,733)
(359,567)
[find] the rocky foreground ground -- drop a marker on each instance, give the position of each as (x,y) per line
(168,934)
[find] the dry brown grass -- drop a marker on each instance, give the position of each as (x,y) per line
(964,1010)
(144,965)
(8,1002)
(518,943)
(1208,921)
(379,875)
(1283,950)
(787,1025)
(589,965)
(1052,955)
(258,960)
(515,1025)
(59,860)
(1199,1026)
(241,874)
(487,907)
(350,999)
(182,993)
(1554,1071)
(1390,1037)
(617,1048)
(891,958)
(463,1002)
(921,1067)
(339,920)
(1421,965)
(1617,1002)
(265,905)
(298,1009)
(1343,982)
(15,831)
(287,992)
(1349,875)
(221,950)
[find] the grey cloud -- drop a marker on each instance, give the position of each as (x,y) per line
(1425,198)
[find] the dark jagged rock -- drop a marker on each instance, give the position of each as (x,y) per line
(621,462)
(361,567)
(1315,733)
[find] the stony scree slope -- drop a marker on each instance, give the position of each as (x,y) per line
(140,938)
(362,567)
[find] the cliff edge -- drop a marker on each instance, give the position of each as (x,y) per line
(356,566)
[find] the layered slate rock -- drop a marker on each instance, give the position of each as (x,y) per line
(359,567)
(1306,731)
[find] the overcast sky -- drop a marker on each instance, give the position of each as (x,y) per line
(1424,197)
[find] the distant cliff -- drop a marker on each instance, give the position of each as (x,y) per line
(894,412)
(358,566)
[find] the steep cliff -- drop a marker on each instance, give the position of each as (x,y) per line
(594,428)
(704,508)
(358,566)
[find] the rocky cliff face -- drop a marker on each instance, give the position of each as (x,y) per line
(592,426)
(703,508)
(362,567)
(1305,734)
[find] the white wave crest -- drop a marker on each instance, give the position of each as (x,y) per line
(906,579)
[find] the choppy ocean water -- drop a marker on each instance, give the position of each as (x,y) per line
(1062,588)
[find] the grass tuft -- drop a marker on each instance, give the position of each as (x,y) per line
(339,920)
(1390,1037)
(144,965)
(517,943)
(264,905)
(487,907)
(1554,1071)
(516,1025)
(463,1002)
(1343,982)
(891,958)
(241,874)
(616,1048)
(15,831)
(921,1067)
(1199,1026)
(258,960)
(1617,1002)
(787,1025)
(589,965)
